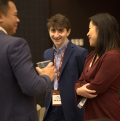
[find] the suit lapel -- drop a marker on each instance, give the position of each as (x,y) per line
(67,54)
(51,55)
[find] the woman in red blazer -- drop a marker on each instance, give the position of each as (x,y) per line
(100,79)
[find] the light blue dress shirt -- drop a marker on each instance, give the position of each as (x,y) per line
(58,55)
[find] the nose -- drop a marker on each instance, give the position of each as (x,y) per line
(88,34)
(18,20)
(56,34)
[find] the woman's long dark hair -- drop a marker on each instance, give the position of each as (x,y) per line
(108,33)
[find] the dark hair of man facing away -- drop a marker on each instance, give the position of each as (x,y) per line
(58,21)
(108,36)
(4,6)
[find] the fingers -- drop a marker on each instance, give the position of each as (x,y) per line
(55,70)
(38,70)
(91,96)
(87,84)
(77,91)
(50,64)
(91,91)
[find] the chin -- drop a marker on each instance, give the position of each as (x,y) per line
(91,45)
(57,43)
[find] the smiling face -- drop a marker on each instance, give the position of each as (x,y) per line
(10,20)
(92,34)
(59,36)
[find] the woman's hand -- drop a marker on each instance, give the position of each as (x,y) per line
(83,91)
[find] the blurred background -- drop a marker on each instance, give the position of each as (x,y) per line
(33,17)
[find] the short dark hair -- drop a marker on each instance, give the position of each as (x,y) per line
(58,20)
(108,33)
(4,6)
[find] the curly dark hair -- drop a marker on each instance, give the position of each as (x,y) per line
(58,20)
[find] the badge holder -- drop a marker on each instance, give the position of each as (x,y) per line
(82,102)
(56,99)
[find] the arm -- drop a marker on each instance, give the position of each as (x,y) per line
(81,89)
(22,67)
(107,74)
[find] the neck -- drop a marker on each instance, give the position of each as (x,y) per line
(59,46)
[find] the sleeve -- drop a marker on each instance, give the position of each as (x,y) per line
(22,67)
(107,74)
(78,84)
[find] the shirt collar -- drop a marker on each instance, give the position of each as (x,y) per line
(61,48)
(3,30)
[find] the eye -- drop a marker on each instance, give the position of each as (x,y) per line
(16,15)
(52,30)
(89,29)
(60,30)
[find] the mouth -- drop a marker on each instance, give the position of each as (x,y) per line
(57,39)
(89,38)
(15,27)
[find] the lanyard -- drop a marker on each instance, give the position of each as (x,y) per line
(92,62)
(58,74)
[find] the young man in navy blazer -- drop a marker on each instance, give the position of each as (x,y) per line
(68,59)
(19,81)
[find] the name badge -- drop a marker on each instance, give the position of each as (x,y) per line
(82,102)
(56,99)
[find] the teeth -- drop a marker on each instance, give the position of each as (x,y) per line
(56,39)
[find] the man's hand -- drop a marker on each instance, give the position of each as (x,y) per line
(83,91)
(49,70)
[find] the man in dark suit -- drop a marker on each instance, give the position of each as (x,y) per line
(19,81)
(69,60)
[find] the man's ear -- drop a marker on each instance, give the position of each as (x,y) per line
(68,32)
(1,17)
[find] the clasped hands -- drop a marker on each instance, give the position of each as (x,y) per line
(83,91)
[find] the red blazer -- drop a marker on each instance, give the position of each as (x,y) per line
(104,77)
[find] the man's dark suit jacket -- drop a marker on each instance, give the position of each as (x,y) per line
(19,81)
(71,70)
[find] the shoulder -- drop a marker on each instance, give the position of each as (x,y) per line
(111,55)
(13,40)
(17,39)
(78,49)
(48,51)
(16,43)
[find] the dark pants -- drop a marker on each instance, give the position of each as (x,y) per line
(55,113)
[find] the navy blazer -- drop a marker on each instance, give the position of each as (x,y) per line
(19,81)
(72,67)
